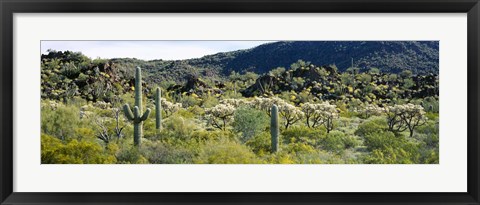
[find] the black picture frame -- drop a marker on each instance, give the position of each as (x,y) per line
(9,7)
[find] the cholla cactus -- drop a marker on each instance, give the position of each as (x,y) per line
(320,114)
(51,104)
(170,107)
(290,114)
(102,105)
(235,102)
(372,109)
(266,104)
(86,111)
(221,112)
(328,114)
(309,110)
(403,117)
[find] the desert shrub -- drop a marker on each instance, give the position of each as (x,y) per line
(84,133)
(203,135)
(281,158)
(149,129)
(428,133)
(130,155)
(225,152)
(196,110)
(249,122)
(178,127)
(337,141)
(430,156)
(59,120)
(377,140)
(209,101)
(405,154)
(296,153)
(299,148)
(162,153)
(185,113)
(54,151)
(334,141)
(350,141)
(260,144)
(303,134)
(189,101)
(372,125)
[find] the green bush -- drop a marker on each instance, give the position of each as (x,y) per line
(55,151)
(58,122)
(260,144)
(304,134)
(377,140)
(225,152)
(178,127)
(130,155)
(334,141)
(249,122)
(161,153)
(204,135)
(372,125)
(405,154)
(337,141)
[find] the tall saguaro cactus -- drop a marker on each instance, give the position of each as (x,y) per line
(136,116)
(274,127)
(158,109)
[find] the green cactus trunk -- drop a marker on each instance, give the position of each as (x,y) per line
(274,128)
(158,109)
(136,116)
(138,89)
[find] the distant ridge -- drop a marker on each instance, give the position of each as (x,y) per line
(388,56)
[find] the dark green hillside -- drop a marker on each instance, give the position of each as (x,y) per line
(389,56)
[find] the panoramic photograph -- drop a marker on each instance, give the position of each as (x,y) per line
(239,102)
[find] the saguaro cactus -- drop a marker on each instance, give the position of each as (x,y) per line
(274,127)
(158,109)
(136,117)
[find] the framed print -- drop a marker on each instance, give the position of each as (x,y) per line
(255,102)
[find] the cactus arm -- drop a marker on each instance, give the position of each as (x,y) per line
(128,112)
(145,115)
(136,114)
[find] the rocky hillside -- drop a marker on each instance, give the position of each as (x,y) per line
(389,56)
(420,57)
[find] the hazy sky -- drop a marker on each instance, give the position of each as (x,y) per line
(148,50)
